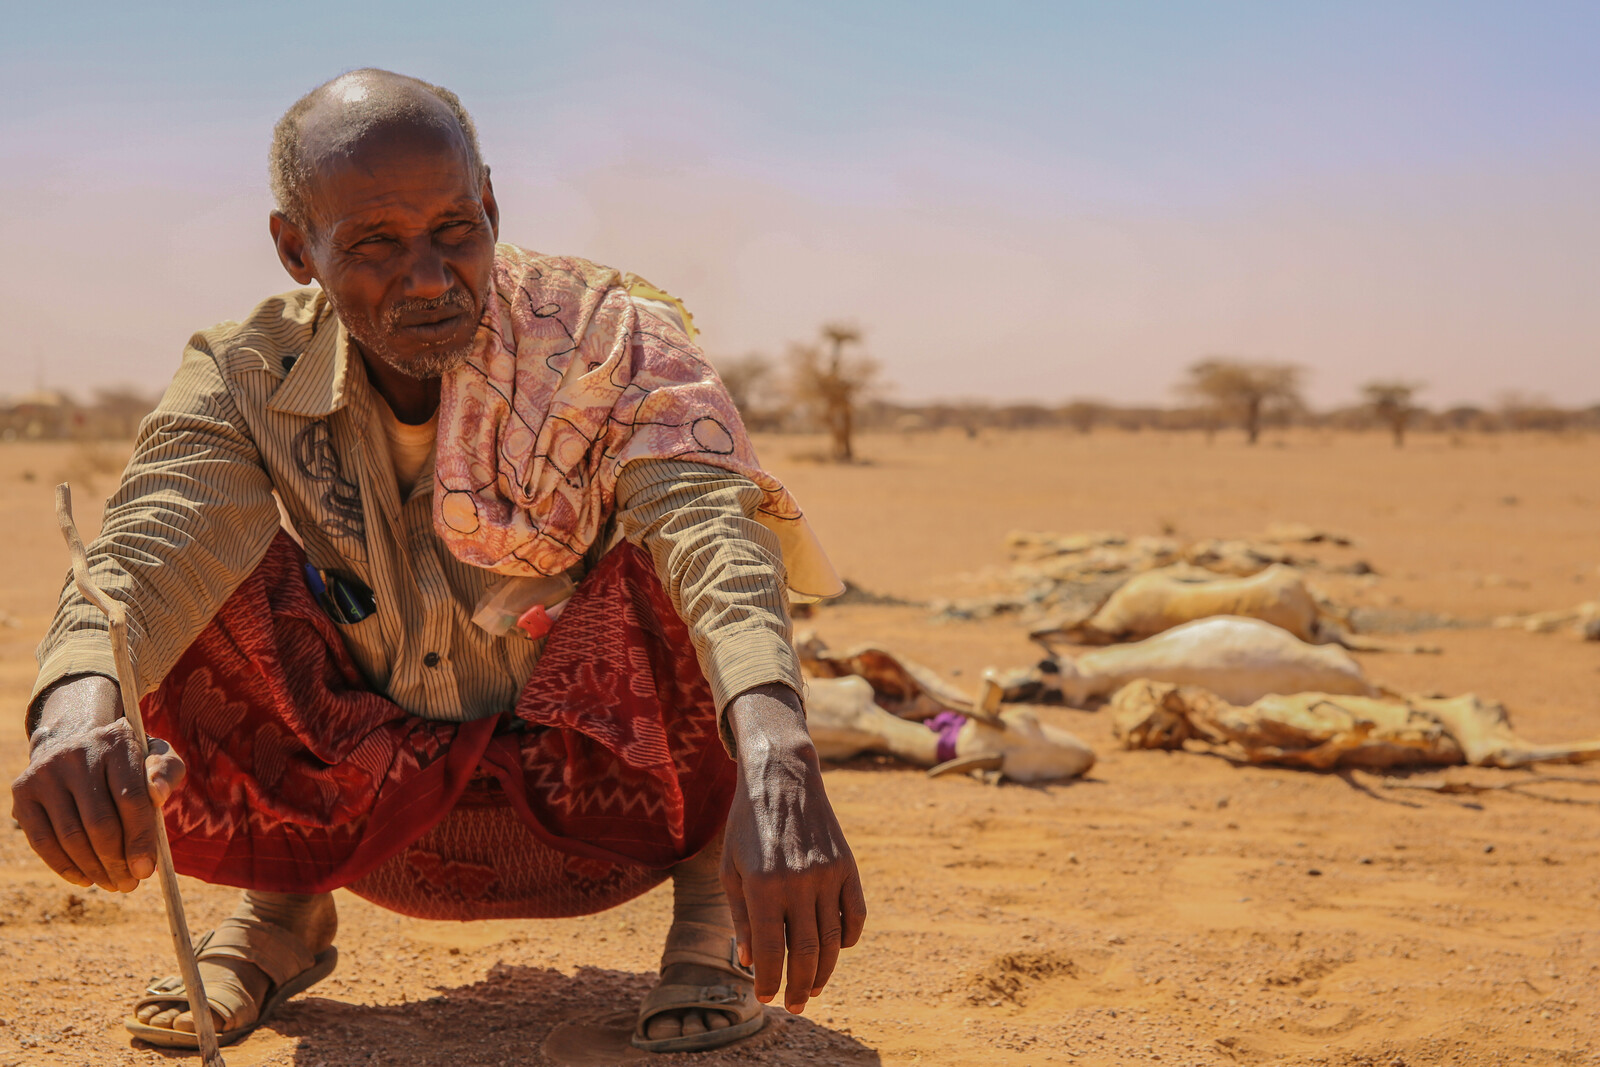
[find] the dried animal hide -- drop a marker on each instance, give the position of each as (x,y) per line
(1320,731)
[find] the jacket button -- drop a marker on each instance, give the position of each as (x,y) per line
(431,659)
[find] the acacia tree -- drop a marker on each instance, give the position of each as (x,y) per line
(831,382)
(1082,415)
(1391,403)
(1245,392)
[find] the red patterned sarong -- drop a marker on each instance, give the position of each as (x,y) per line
(301,779)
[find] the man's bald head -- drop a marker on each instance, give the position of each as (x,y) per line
(327,124)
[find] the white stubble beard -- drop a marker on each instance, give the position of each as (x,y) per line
(422,367)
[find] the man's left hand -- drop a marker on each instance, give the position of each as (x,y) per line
(790,877)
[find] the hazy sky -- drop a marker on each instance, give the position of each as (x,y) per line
(1014,200)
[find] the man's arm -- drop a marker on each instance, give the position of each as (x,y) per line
(791,879)
(193,515)
(722,569)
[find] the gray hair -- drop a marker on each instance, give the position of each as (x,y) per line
(289,167)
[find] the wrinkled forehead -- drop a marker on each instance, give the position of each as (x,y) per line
(396,157)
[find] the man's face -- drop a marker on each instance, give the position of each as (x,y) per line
(403,246)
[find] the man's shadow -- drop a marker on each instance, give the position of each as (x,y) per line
(532,1015)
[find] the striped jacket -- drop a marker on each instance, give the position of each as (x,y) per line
(272,422)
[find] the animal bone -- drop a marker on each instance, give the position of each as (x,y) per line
(1237,658)
(1321,730)
(845,720)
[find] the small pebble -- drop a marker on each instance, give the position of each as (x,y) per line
(1365,861)
(1488,848)
(1313,872)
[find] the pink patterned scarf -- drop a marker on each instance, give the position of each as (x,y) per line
(571,380)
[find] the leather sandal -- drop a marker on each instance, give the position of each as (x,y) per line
(288,964)
(707,946)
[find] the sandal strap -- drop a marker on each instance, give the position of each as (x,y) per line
(740,1003)
(226,998)
(171,987)
(707,945)
(280,954)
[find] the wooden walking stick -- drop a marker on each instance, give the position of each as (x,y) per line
(128,682)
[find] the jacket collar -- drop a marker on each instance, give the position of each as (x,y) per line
(320,382)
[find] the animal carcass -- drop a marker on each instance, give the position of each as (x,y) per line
(1239,659)
(1583,620)
(845,719)
(904,687)
(1321,730)
(1156,601)
(1238,558)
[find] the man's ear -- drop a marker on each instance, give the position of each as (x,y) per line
(490,207)
(294,248)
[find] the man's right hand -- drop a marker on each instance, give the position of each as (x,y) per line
(86,805)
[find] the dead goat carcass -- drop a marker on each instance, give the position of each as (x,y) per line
(866,699)
(904,687)
(1239,659)
(1323,730)
(846,719)
(1158,600)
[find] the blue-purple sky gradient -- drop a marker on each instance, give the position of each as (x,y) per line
(1016,201)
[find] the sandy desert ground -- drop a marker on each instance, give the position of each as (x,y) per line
(1171,908)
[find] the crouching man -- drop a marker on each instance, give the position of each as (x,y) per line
(342,539)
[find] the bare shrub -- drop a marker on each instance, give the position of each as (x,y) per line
(1391,403)
(832,384)
(1245,392)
